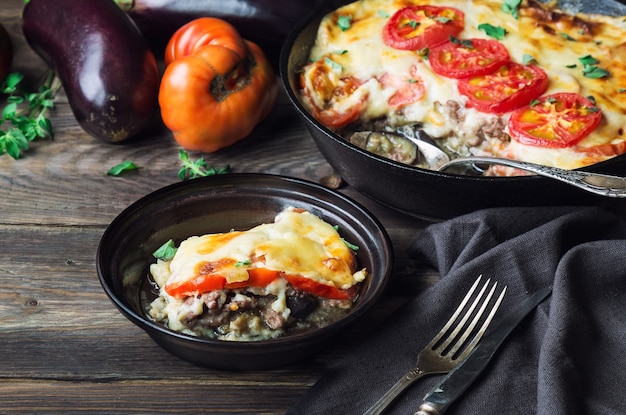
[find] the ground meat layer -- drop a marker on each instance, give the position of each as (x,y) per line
(247,314)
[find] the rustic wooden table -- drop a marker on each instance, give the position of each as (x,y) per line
(64,348)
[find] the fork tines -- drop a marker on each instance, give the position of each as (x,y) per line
(462,331)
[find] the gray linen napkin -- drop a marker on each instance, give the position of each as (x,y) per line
(567,357)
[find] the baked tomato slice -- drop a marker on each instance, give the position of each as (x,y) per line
(198,285)
(257,277)
(462,58)
(558,120)
(507,88)
(313,287)
(419,27)
(330,96)
(408,89)
(412,91)
(334,117)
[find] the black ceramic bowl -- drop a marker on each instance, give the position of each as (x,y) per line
(421,192)
(217,204)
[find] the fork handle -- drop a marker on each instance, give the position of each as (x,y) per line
(404,382)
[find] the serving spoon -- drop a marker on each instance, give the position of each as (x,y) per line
(600,184)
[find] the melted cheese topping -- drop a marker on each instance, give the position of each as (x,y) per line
(554,39)
(297,243)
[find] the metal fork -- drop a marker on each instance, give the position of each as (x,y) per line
(451,345)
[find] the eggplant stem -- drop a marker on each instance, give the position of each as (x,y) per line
(126,5)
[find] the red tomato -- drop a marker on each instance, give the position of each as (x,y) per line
(468,57)
(557,120)
(411,92)
(419,27)
(605,150)
(333,118)
(409,89)
(327,112)
(321,290)
(257,277)
(201,32)
(216,87)
(509,87)
(201,284)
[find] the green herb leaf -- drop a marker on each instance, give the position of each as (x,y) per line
(123,167)
(466,43)
(595,72)
(495,32)
(198,168)
(13,142)
(412,24)
(166,251)
(383,14)
(9,111)
(243,263)
(590,68)
(350,245)
(12,82)
(344,22)
(588,60)
(528,59)
(333,65)
(567,37)
(512,7)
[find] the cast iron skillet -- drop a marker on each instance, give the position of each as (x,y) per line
(420,192)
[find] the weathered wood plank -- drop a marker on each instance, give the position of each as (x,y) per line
(134,398)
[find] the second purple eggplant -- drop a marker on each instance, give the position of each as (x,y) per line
(265,23)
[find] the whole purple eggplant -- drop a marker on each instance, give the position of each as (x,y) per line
(108,72)
(265,22)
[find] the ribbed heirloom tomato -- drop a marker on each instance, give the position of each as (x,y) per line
(216,87)
(206,31)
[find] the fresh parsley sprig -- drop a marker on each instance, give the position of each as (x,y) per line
(193,169)
(24,116)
